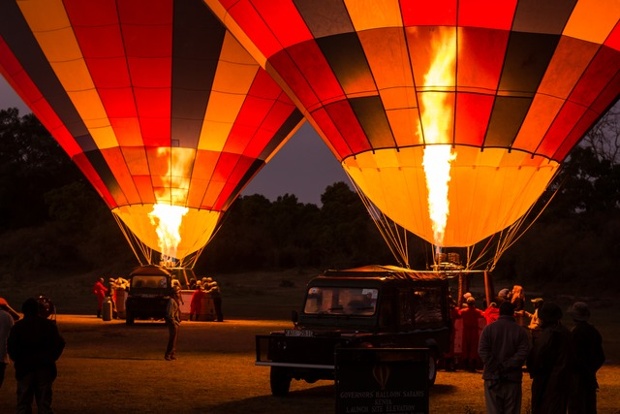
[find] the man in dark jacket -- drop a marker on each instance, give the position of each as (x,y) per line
(503,348)
(34,345)
(589,357)
(550,363)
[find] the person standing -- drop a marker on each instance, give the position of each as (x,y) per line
(173,321)
(5,306)
(517,298)
(550,363)
(216,295)
(6,323)
(491,314)
(534,325)
(504,347)
(195,305)
(34,345)
(589,357)
(473,322)
(100,291)
(503,295)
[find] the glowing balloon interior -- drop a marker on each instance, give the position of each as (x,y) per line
(158,105)
(502,90)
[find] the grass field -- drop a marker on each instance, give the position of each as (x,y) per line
(109,367)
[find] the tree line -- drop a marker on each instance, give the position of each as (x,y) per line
(52,220)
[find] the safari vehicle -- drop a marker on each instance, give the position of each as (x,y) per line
(370,307)
(149,289)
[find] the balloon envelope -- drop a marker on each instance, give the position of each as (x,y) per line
(154,100)
(509,87)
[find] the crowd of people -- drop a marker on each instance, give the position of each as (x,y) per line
(506,340)
(204,289)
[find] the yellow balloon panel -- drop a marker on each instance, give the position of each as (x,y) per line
(196,229)
(488,190)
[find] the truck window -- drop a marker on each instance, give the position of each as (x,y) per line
(341,300)
(151,282)
(427,307)
(406,308)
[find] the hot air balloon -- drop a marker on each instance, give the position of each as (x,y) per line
(451,117)
(159,106)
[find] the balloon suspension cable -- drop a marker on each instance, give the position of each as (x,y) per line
(394,235)
(191,259)
(135,243)
(515,231)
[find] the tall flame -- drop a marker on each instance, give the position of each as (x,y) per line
(168,221)
(167,214)
(436,114)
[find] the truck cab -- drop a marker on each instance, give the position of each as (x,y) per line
(149,289)
(370,307)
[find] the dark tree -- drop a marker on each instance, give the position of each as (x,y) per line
(348,236)
(31,163)
(50,218)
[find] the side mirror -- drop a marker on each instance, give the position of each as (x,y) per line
(294,316)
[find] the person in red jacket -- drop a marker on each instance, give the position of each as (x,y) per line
(100,291)
(491,314)
(195,304)
(473,322)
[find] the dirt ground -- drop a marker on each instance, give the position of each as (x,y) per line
(108,367)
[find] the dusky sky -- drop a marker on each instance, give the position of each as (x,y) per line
(303,167)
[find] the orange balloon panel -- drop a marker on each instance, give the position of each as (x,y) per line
(517,82)
(488,190)
(154,100)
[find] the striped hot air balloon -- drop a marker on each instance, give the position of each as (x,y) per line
(155,101)
(451,116)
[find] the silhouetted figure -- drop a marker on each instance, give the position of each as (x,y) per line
(34,345)
(173,321)
(589,357)
(6,323)
(550,363)
(216,295)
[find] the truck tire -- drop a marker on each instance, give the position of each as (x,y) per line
(280,381)
(432,370)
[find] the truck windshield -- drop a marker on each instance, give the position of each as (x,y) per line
(152,282)
(341,301)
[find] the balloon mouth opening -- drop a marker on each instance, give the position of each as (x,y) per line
(174,231)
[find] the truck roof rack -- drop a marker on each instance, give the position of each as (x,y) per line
(390,271)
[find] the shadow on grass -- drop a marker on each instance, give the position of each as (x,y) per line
(313,400)
(442,389)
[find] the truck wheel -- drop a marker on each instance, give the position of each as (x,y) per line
(432,370)
(280,381)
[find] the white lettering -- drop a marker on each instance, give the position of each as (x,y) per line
(354,394)
(357,410)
